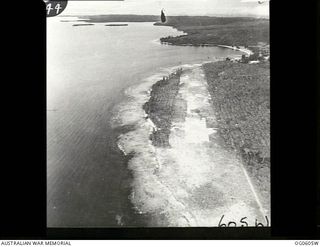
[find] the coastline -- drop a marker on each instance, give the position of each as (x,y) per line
(244,50)
(135,144)
(132,179)
(153,112)
(248,52)
(160,112)
(154,125)
(133,140)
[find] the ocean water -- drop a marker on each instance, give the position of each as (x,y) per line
(92,74)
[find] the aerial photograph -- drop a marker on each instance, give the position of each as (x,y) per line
(158,114)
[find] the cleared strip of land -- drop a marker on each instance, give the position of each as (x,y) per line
(241,100)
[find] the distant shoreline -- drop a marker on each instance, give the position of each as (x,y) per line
(227,32)
(244,50)
(247,51)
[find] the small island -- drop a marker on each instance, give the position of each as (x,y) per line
(116,25)
(89,24)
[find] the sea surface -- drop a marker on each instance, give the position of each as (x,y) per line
(89,72)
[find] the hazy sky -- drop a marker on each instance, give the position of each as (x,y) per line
(171,7)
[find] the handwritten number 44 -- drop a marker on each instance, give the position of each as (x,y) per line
(57,8)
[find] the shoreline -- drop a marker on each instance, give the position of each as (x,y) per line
(135,142)
(132,152)
(163,113)
(155,133)
(126,142)
(244,50)
(248,52)
(154,130)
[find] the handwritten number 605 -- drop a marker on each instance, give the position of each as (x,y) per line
(242,220)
